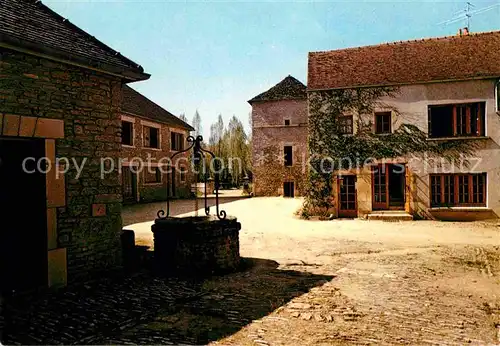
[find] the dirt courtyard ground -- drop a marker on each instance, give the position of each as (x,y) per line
(419,282)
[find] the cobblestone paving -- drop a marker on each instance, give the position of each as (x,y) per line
(392,297)
(79,315)
(147,310)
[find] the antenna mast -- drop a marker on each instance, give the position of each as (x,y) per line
(467,14)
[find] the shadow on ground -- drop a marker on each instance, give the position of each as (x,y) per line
(143,309)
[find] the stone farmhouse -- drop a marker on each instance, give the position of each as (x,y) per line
(151,132)
(447,87)
(61,93)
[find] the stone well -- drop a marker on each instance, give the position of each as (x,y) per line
(199,245)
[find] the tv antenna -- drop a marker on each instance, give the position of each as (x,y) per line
(467,13)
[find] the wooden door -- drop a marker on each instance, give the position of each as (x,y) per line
(129,185)
(23,200)
(380,187)
(347,206)
(288,189)
(408,191)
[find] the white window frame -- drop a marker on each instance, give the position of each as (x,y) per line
(152,125)
(497,96)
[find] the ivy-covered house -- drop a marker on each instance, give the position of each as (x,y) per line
(279,139)
(406,128)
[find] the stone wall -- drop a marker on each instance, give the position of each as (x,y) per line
(196,245)
(87,223)
(269,136)
(149,192)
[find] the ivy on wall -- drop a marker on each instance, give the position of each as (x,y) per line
(329,150)
(269,167)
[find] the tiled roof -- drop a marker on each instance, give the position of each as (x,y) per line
(30,25)
(135,103)
(436,59)
(289,88)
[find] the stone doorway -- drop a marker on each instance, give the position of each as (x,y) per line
(23,235)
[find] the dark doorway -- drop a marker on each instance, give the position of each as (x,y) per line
(397,186)
(23,201)
(389,182)
(288,189)
(347,196)
(129,185)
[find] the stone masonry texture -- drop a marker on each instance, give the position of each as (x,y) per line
(149,192)
(270,135)
(89,104)
(198,246)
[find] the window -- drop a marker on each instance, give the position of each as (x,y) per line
(151,137)
(127,133)
(287,122)
(288,150)
(383,122)
(345,125)
(458,190)
(176,141)
(152,175)
(460,120)
(497,93)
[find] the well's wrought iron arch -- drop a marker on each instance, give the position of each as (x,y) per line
(199,156)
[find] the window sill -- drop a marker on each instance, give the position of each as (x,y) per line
(153,184)
(128,146)
(155,149)
(460,209)
(470,138)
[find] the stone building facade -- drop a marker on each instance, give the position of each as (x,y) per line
(453,97)
(60,106)
(151,135)
(279,139)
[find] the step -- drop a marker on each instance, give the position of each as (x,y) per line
(390,216)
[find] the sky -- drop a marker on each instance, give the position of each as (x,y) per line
(213,56)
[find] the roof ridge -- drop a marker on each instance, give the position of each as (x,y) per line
(72,26)
(426,39)
(289,88)
(155,104)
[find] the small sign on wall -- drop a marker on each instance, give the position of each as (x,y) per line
(99,209)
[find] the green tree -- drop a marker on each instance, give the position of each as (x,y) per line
(197,124)
(182,116)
